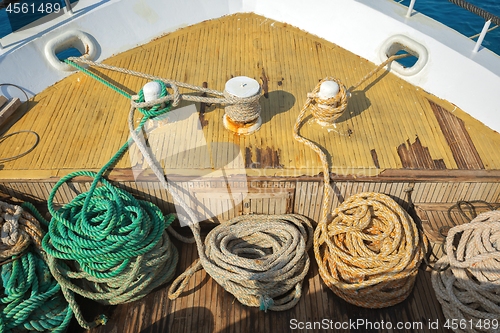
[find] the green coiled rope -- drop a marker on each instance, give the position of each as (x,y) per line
(30,298)
(106,245)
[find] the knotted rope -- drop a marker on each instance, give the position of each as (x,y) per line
(245,110)
(30,297)
(106,245)
(368,249)
(467,278)
(327,111)
(238,109)
(259,259)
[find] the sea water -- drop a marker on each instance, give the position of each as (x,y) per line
(462,20)
(441,10)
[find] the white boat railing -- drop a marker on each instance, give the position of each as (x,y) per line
(489,18)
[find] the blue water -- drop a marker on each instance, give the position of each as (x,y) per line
(462,20)
(34,10)
(441,10)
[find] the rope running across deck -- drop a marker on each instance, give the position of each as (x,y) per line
(242,110)
(253,281)
(31,298)
(327,111)
(467,278)
(368,249)
(261,260)
(106,245)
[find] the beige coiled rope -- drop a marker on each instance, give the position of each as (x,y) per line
(244,110)
(260,259)
(368,249)
(467,278)
(18,230)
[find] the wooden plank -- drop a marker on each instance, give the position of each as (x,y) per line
(458,139)
(3,100)
(262,46)
(8,109)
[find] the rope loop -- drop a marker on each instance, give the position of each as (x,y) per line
(106,245)
(328,110)
(250,108)
(260,259)
(369,251)
(468,289)
(31,298)
(243,109)
(118,245)
(156,109)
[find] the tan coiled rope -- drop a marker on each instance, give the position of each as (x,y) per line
(467,278)
(368,249)
(18,230)
(260,259)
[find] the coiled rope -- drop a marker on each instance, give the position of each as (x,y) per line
(467,278)
(368,249)
(262,260)
(259,259)
(245,110)
(31,299)
(106,245)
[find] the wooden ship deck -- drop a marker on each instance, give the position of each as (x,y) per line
(394,138)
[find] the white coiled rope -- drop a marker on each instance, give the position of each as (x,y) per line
(467,278)
(260,259)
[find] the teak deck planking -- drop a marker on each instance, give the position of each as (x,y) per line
(82,123)
(383,113)
(204,307)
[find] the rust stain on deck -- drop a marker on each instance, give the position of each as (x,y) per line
(265,158)
(416,156)
(265,83)
(458,138)
(203,121)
